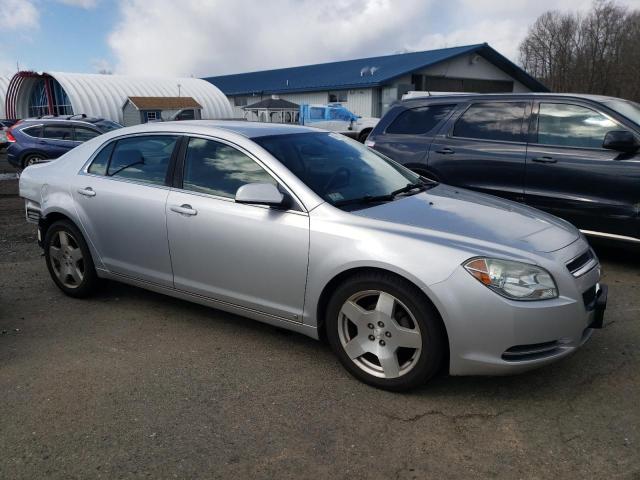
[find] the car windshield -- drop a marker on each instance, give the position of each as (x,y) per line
(107,125)
(340,170)
(626,108)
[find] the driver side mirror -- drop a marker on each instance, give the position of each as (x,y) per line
(621,141)
(261,194)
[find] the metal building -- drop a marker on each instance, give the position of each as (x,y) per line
(368,86)
(4,84)
(31,94)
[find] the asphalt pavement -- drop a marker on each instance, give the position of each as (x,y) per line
(133,384)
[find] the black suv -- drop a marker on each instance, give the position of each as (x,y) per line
(575,156)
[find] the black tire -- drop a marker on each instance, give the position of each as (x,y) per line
(363,135)
(56,264)
(32,159)
(433,337)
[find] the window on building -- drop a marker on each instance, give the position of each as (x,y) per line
(572,126)
(240,101)
(142,158)
(82,134)
(492,121)
(58,132)
(152,115)
(338,96)
(421,120)
(218,169)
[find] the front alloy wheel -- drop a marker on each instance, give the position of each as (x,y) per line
(385,331)
(379,334)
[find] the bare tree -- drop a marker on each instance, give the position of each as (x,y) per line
(598,52)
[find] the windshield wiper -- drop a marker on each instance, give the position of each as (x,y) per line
(420,187)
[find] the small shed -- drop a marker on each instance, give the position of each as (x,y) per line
(272,110)
(138,110)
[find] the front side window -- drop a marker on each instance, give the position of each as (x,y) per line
(218,169)
(143,158)
(83,134)
(567,125)
(335,167)
(58,132)
(417,121)
(500,121)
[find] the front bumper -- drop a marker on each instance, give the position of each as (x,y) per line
(492,335)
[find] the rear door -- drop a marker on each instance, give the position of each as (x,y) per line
(569,174)
(484,148)
(83,134)
(407,134)
(56,140)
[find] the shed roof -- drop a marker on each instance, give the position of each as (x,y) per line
(360,73)
(164,103)
(273,104)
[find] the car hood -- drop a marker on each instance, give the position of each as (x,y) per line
(474,215)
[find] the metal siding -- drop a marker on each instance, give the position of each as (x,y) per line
(105,95)
(4,85)
(130,115)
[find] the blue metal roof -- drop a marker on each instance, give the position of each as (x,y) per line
(363,72)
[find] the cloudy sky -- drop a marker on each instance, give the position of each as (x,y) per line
(212,37)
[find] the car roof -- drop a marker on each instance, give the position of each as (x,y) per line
(457,97)
(42,121)
(245,128)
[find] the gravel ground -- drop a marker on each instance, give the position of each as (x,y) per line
(131,384)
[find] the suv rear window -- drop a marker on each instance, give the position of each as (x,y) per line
(492,121)
(416,121)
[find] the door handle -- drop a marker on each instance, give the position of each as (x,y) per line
(184,209)
(446,151)
(544,159)
(87,192)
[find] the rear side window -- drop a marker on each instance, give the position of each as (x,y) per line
(492,121)
(100,162)
(143,158)
(58,132)
(35,131)
(218,169)
(417,121)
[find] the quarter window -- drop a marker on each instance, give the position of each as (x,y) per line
(492,121)
(57,132)
(572,125)
(100,162)
(218,169)
(418,121)
(33,131)
(83,134)
(144,158)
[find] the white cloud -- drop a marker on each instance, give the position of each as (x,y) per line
(215,37)
(211,37)
(19,14)
(86,4)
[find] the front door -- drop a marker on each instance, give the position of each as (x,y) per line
(569,174)
(484,149)
(247,255)
(121,201)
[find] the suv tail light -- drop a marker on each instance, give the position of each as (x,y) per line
(10,137)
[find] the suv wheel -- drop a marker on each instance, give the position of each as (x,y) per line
(385,332)
(32,159)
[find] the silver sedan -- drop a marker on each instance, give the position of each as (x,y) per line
(313,232)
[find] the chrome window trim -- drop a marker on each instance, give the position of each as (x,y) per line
(84,170)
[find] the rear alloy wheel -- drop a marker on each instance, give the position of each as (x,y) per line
(32,159)
(385,332)
(69,260)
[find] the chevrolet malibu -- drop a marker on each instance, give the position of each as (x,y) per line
(314,232)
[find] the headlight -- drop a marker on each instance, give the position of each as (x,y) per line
(514,280)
